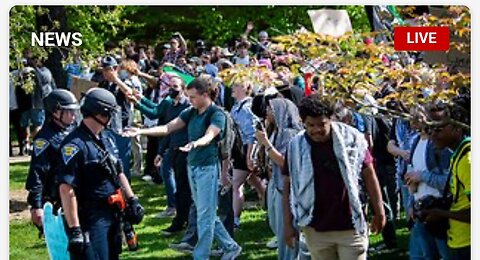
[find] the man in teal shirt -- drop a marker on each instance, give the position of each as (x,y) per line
(205,123)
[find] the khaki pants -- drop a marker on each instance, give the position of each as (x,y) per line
(343,245)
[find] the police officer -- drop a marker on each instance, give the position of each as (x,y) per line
(92,183)
(60,106)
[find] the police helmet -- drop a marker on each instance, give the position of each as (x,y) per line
(98,101)
(60,99)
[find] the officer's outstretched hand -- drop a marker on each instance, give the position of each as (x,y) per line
(134,211)
(77,242)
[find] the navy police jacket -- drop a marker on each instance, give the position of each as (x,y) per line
(44,163)
(84,164)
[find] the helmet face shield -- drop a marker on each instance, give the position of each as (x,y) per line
(70,107)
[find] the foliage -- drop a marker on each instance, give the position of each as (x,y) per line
(220,24)
(22,23)
(97,24)
(349,69)
(215,24)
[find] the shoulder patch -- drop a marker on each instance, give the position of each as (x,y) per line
(69,151)
(40,145)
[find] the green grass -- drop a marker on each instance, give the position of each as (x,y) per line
(254,234)
(18,175)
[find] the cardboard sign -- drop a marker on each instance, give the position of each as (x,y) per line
(454,59)
(331,22)
(80,86)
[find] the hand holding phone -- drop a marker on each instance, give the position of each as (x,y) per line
(259,126)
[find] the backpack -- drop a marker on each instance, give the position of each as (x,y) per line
(230,138)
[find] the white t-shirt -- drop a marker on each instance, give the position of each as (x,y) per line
(245,60)
(419,163)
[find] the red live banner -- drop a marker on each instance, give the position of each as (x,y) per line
(413,38)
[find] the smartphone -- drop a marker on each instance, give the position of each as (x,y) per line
(259,126)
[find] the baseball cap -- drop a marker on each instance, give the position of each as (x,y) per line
(109,61)
(263,34)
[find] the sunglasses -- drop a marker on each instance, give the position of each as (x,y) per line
(435,128)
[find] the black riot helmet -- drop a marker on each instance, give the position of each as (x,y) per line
(98,101)
(60,99)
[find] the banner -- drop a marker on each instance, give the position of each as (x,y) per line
(331,22)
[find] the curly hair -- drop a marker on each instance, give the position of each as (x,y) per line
(315,106)
(129,65)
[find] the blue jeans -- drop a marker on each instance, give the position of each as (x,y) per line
(168,177)
(405,195)
(204,184)
(423,245)
(225,213)
(124,145)
(275,219)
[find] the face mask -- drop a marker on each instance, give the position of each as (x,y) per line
(173,93)
(123,74)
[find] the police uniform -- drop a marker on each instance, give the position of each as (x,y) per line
(87,166)
(44,164)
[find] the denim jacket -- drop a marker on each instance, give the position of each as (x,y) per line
(245,119)
(438,163)
(404,136)
(438,166)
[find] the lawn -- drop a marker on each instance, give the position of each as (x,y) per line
(254,234)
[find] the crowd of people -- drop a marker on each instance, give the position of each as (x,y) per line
(321,168)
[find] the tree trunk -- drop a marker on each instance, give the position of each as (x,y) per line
(55,57)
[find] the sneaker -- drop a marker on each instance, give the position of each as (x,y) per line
(236,225)
(232,254)
(273,243)
(216,252)
(170,231)
(27,149)
(168,213)
(183,247)
(377,249)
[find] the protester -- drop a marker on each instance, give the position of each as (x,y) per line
(204,122)
(242,56)
(445,134)
(243,163)
(327,207)
(127,75)
(122,118)
(283,117)
(427,177)
(178,48)
(167,110)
